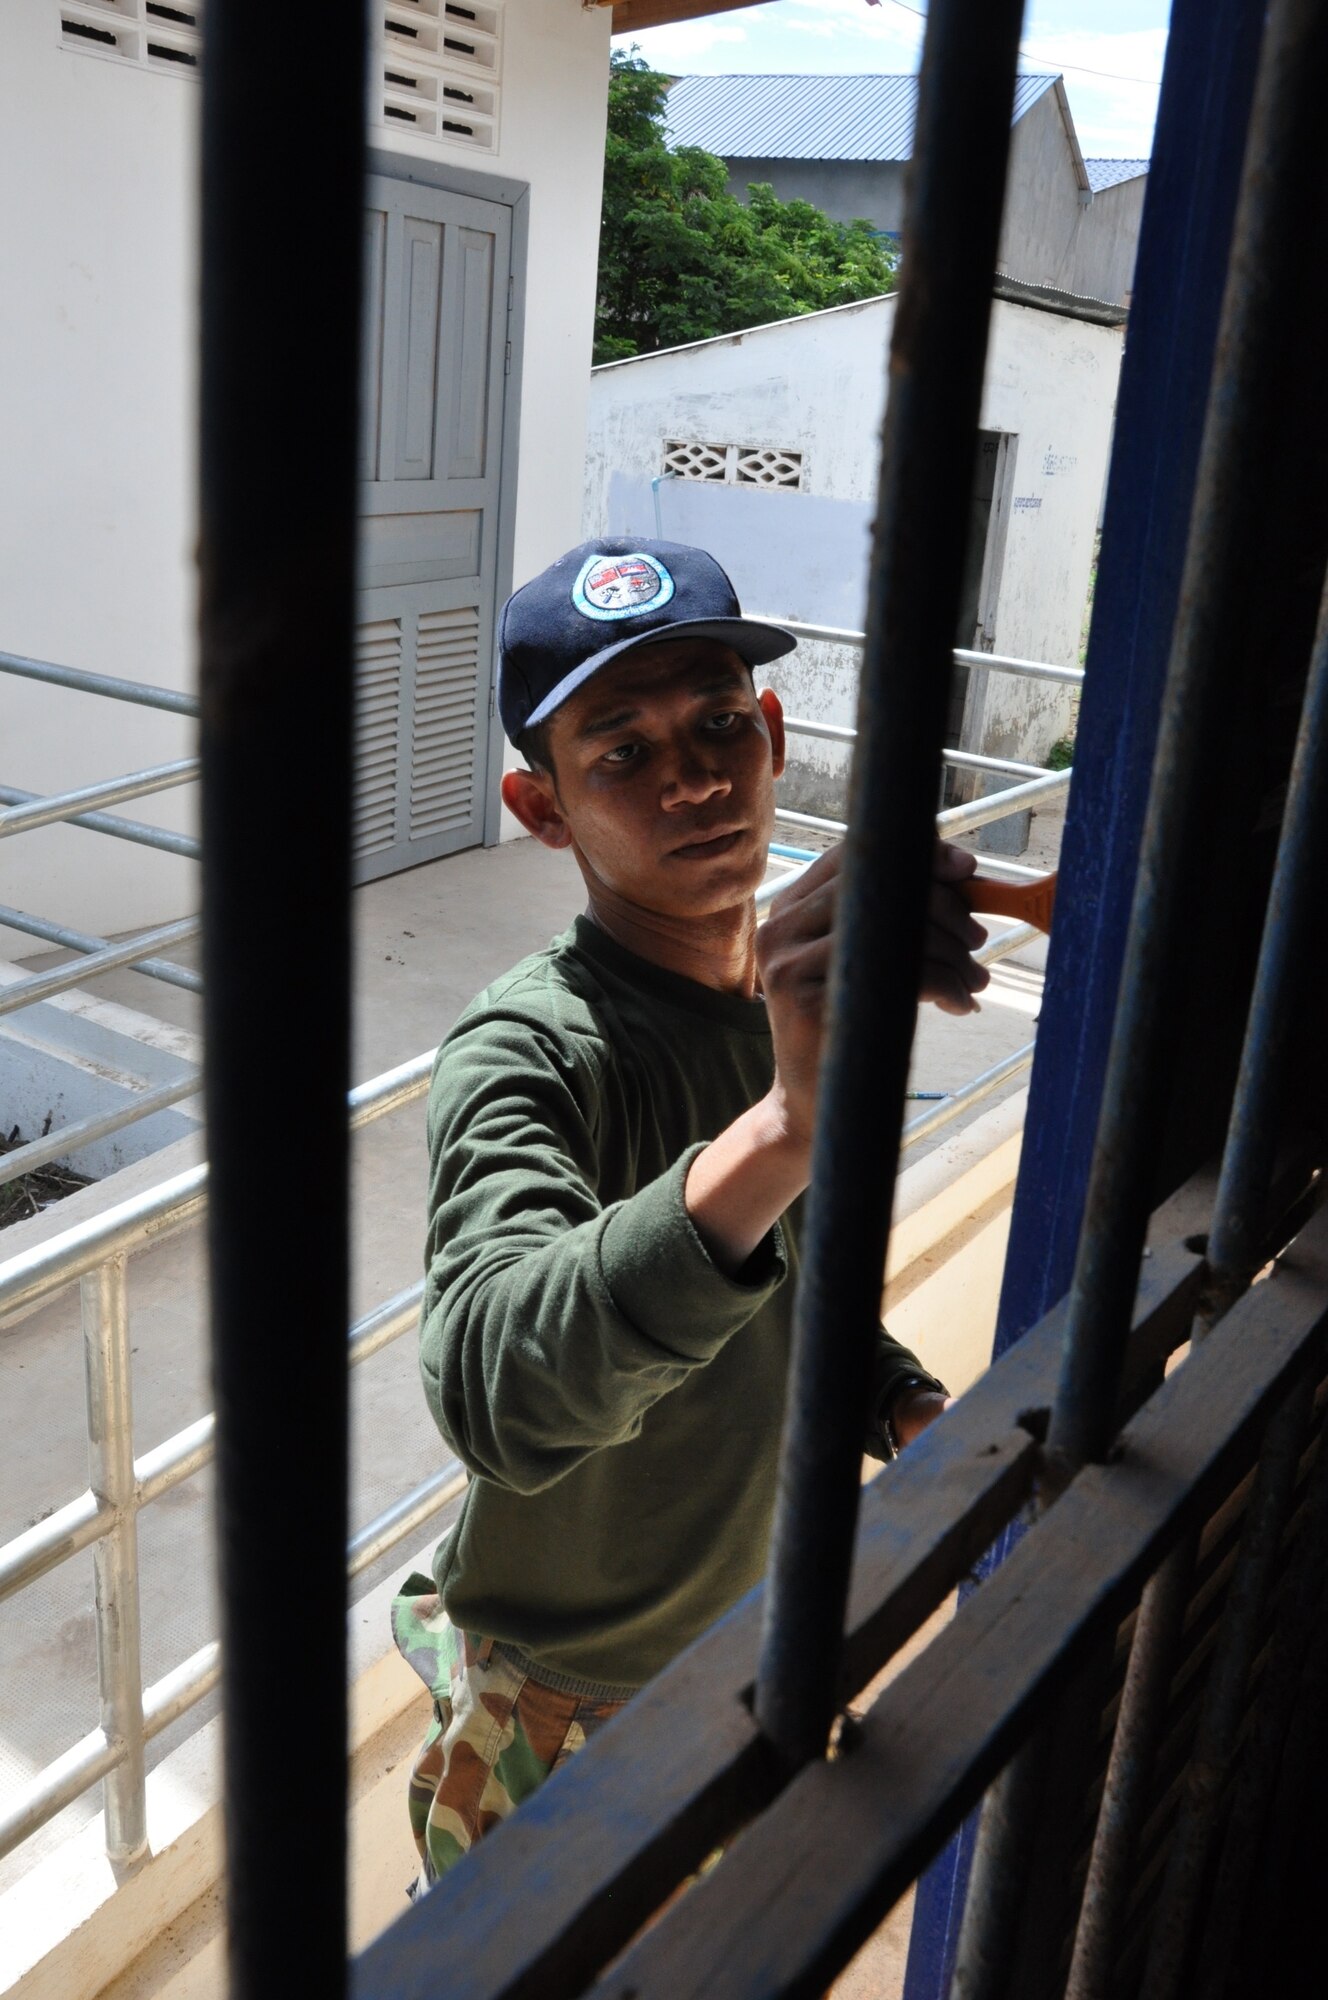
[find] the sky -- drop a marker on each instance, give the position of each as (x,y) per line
(1123,41)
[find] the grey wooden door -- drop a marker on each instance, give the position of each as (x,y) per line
(436,296)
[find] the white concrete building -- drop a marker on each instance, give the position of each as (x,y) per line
(487,129)
(763,445)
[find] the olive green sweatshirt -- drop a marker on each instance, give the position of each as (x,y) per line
(615,1396)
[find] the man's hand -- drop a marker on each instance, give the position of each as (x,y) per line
(949,976)
(911,1413)
(793,953)
(793,949)
(746,1178)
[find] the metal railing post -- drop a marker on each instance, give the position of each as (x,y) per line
(938,350)
(115,1556)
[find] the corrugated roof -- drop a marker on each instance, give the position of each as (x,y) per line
(1110,173)
(807,117)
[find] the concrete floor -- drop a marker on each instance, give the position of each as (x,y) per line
(426,941)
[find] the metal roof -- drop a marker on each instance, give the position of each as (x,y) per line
(808,117)
(1110,173)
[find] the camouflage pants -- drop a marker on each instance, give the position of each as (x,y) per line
(496,1733)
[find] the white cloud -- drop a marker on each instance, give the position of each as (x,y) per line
(847,36)
(687,44)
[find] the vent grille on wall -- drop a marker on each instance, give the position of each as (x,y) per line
(734,464)
(150,34)
(440,67)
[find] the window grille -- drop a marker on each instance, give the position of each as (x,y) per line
(438,71)
(735,464)
(150,34)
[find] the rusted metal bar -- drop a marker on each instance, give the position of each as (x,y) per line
(1267,1741)
(1085,1418)
(1224,1696)
(938,349)
(765,1924)
(1235,1249)
(1126,1792)
(1266,247)
(508,1929)
(276,701)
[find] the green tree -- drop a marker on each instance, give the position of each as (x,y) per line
(680,258)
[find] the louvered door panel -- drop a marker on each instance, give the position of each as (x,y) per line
(378,658)
(442,765)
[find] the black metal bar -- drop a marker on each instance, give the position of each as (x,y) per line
(1184,243)
(1265,249)
(1296,903)
(1129,1777)
(951,229)
(1235,1248)
(280,336)
(1267,245)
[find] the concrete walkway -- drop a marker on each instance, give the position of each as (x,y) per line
(426,941)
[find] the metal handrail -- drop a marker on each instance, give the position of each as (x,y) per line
(45,985)
(58,806)
(140,693)
(959,760)
(103,1243)
(95,1253)
(137,830)
(963,656)
(67,939)
(101,1125)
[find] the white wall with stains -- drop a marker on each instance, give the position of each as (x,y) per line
(98,333)
(816,386)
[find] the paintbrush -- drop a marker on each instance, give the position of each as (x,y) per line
(1028,902)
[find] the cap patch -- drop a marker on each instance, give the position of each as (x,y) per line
(621,586)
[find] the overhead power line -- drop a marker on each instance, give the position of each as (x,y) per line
(1080,69)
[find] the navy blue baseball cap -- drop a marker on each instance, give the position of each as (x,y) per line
(602,600)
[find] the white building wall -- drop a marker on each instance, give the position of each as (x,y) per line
(98,160)
(816,385)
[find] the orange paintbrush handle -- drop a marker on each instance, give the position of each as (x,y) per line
(1030,902)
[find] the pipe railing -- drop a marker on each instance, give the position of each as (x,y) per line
(26,812)
(140,693)
(104,1517)
(963,656)
(50,810)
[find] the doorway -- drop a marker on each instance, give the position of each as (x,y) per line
(438,283)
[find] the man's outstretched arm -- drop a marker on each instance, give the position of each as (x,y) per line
(742,1183)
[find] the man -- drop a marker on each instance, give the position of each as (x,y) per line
(620,1134)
